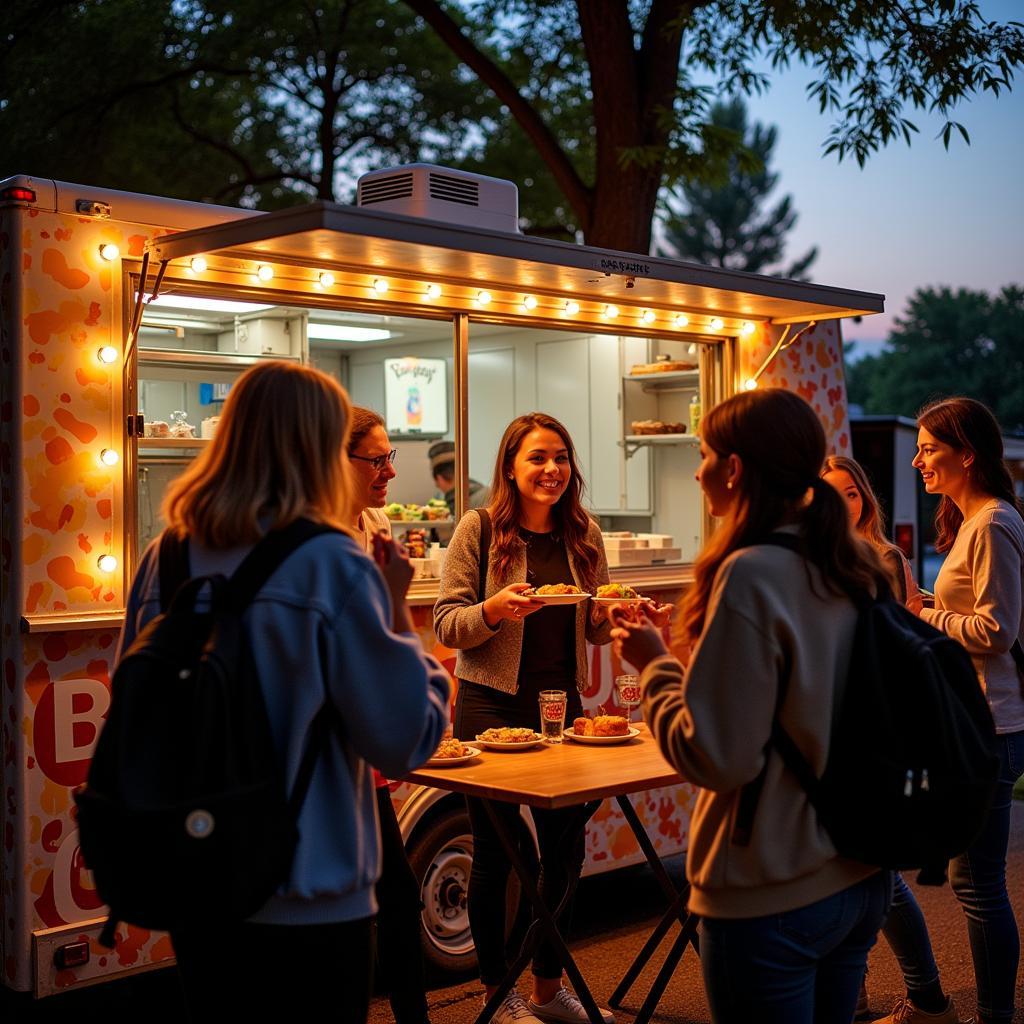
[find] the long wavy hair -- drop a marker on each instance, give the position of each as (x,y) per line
(278,454)
(781,443)
(967,425)
(572,522)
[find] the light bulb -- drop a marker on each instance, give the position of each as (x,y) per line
(380,286)
(264,272)
(748,327)
(109,457)
(107,354)
(647,316)
(106,563)
(572,307)
(483,298)
(692,350)
(529,302)
(433,291)
(611,312)
(750,384)
(109,252)
(716,324)
(198,264)
(681,320)
(326,279)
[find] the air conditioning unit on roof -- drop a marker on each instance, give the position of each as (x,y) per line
(439,193)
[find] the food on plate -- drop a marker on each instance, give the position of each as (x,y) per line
(394,511)
(436,508)
(552,588)
(507,734)
(583,727)
(451,747)
(619,590)
(611,725)
(657,427)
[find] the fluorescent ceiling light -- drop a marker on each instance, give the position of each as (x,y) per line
(344,332)
(172,301)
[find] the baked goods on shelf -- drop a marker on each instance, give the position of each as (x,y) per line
(657,427)
(663,366)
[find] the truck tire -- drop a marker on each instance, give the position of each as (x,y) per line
(441,856)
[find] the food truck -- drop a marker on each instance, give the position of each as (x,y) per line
(126,318)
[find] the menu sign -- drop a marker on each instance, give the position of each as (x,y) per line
(416,395)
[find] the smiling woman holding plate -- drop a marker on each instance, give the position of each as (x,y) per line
(535,533)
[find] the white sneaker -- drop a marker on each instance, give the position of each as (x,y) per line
(565,1008)
(512,1009)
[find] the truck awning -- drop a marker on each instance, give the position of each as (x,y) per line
(336,238)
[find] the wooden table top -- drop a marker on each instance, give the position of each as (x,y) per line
(556,774)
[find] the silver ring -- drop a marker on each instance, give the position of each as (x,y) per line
(516,611)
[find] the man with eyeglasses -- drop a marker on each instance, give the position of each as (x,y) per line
(442,465)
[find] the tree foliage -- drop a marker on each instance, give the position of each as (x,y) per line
(963,342)
(724,225)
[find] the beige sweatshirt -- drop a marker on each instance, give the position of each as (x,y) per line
(978,602)
(765,623)
(491,656)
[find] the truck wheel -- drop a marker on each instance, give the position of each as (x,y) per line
(441,857)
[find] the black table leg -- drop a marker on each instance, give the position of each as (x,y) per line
(544,925)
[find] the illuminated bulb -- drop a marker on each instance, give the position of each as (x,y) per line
(326,279)
(109,252)
(750,384)
(380,286)
(572,307)
(106,563)
(107,354)
(716,324)
(681,320)
(748,328)
(109,457)
(611,312)
(483,298)
(265,273)
(433,291)
(647,316)
(530,302)
(198,264)
(692,350)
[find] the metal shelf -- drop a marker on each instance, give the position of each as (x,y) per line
(632,443)
(670,380)
(173,442)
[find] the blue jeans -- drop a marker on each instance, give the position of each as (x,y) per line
(907,934)
(978,877)
(802,966)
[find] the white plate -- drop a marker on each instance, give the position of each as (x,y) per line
(557,598)
(607,602)
(507,747)
(600,741)
(443,762)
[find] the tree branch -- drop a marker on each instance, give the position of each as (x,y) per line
(565,174)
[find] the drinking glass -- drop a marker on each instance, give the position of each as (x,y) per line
(552,714)
(628,688)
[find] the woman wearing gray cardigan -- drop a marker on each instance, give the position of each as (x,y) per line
(540,534)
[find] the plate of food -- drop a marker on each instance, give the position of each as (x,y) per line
(619,593)
(509,738)
(556,593)
(452,751)
(602,730)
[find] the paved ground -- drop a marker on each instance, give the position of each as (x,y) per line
(615,913)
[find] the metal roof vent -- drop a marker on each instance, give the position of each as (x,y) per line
(442,194)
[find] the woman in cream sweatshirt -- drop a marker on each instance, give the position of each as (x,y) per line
(787,922)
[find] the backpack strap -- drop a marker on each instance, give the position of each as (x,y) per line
(485,550)
(174,566)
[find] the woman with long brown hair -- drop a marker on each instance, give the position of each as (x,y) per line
(978,601)
(321,636)
(510,648)
(786,922)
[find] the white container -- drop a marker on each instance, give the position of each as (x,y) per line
(420,568)
(657,540)
(629,556)
(624,543)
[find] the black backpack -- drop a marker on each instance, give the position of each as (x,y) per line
(184,819)
(912,761)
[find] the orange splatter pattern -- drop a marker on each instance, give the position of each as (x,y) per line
(55,265)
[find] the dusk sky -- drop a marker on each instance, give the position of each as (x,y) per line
(913,216)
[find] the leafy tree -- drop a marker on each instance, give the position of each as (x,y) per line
(963,342)
(723,225)
(608,95)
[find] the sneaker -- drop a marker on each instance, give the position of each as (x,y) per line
(565,1008)
(905,1012)
(512,1009)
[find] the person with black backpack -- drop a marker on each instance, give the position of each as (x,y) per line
(344,685)
(768,633)
(978,602)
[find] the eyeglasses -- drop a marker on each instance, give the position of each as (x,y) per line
(377,461)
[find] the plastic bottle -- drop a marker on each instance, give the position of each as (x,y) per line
(695,413)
